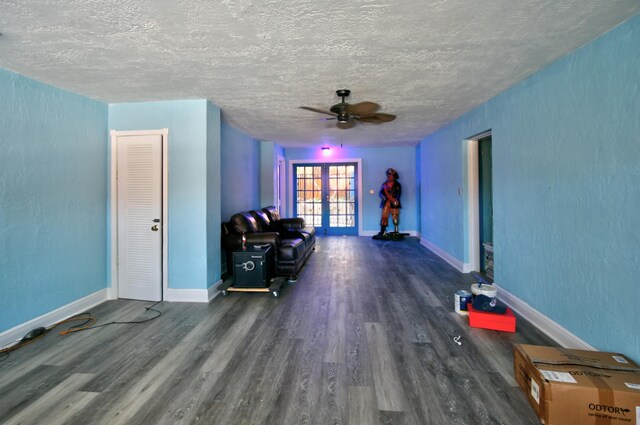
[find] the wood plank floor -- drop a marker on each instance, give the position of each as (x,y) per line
(364,337)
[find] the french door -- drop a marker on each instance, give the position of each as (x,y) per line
(325,195)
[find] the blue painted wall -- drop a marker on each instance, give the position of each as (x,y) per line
(214,201)
(375,162)
(566,167)
(53,191)
(188,191)
(441,218)
(240,168)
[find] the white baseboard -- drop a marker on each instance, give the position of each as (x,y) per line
(467,268)
(83,304)
(550,328)
(213,290)
(186,295)
(192,295)
(547,326)
(111,293)
(457,264)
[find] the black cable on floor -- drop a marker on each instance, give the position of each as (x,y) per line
(121,323)
(24,341)
(88,319)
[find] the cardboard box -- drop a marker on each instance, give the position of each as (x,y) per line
(499,322)
(577,387)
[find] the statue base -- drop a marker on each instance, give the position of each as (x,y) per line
(390,236)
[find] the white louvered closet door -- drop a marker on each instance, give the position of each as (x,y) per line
(140,217)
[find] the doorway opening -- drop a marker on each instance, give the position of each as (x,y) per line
(138,214)
(479,235)
(280,192)
(485,207)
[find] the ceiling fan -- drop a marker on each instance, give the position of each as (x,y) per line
(347,114)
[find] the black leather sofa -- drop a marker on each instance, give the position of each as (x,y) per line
(290,238)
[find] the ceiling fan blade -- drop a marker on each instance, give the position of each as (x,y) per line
(345,125)
(377,118)
(385,117)
(321,111)
(363,108)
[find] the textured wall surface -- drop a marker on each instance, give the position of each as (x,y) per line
(375,162)
(427,61)
(240,168)
(187,124)
(566,167)
(214,202)
(441,194)
(53,191)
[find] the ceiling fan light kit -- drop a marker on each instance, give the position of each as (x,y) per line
(347,114)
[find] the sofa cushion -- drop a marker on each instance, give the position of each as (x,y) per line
(243,222)
(272,212)
(264,222)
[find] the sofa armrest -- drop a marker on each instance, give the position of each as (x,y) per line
(272,238)
(233,241)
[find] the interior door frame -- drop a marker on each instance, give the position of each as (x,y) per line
(113,220)
(358,161)
(280,191)
(473,263)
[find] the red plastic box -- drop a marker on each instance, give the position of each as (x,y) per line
(499,322)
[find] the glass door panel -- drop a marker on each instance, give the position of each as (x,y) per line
(309,194)
(327,198)
(342,197)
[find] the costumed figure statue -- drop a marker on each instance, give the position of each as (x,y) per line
(390,203)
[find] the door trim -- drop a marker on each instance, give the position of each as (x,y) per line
(472,224)
(327,161)
(113,219)
(280,194)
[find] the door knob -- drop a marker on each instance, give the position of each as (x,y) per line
(154,228)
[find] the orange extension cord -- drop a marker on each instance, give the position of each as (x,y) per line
(89,321)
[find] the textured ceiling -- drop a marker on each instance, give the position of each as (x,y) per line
(427,61)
